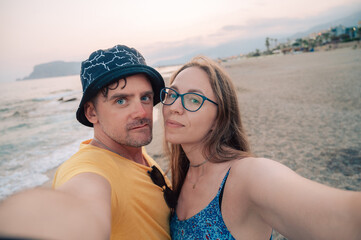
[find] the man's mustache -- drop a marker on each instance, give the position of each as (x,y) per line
(138,123)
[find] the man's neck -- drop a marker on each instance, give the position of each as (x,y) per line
(132,153)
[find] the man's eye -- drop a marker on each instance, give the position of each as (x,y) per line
(146,98)
(121,101)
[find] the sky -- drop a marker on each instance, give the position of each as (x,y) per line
(40,31)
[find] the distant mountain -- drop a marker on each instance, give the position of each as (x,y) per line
(54,69)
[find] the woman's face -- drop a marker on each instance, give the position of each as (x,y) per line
(185,127)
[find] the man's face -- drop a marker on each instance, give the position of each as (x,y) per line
(126,114)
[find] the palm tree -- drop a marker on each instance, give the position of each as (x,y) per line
(304,43)
(326,37)
(267,44)
(318,40)
(312,43)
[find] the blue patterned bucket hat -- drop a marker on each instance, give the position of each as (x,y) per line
(106,66)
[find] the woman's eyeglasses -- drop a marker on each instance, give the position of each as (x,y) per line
(158,179)
(190,101)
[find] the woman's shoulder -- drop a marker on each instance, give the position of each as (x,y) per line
(252,163)
(253,169)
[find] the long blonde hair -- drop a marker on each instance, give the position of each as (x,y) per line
(228,140)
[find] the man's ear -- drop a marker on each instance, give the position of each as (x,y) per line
(90,112)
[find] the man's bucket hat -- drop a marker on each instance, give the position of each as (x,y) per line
(106,66)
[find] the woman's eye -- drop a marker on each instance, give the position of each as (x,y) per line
(194,100)
(173,95)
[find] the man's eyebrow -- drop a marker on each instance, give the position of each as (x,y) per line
(120,95)
(148,93)
(125,95)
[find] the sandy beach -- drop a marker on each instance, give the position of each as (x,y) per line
(303,110)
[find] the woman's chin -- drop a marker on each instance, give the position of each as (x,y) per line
(173,139)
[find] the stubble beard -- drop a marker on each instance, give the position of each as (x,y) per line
(138,141)
(141,138)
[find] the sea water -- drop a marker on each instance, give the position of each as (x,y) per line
(38,129)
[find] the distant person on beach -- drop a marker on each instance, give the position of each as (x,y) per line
(222,190)
(110,188)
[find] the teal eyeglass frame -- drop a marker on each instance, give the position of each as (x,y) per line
(163,91)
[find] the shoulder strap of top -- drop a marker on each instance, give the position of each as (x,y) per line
(221,194)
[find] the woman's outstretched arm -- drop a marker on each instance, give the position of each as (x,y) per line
(296,207)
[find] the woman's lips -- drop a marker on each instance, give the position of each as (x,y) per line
(174,124)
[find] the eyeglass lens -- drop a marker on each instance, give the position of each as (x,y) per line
(190,101)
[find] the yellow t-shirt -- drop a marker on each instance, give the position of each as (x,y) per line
(138,207)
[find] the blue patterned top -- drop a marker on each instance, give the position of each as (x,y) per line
(208,224)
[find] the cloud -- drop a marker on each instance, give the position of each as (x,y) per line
(285,25)
(264,26)
(173,50)
(233,28)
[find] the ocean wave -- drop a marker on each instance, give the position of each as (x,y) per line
(20,180)
(21,125)
(56,96)
(4,109)
(30,170)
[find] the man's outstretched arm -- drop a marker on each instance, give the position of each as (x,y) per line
(79,209)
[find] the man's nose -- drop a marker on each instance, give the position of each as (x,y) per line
(139,110)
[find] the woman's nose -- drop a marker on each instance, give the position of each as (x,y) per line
(177,106)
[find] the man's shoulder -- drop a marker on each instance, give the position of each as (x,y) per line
(87,156)
(86,159)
